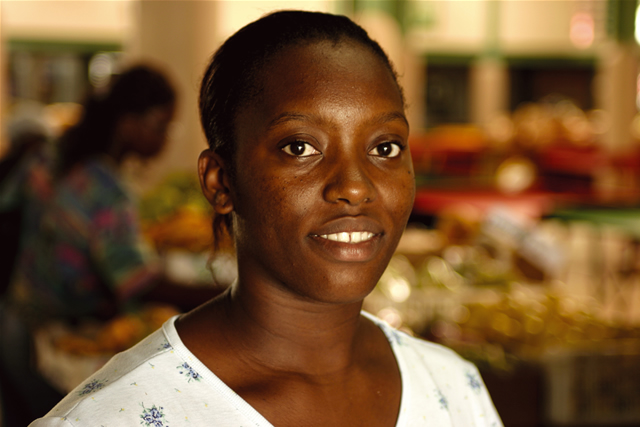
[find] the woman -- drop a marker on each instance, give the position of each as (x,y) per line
(309,169)
(82,251)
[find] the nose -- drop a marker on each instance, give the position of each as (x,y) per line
(348,182)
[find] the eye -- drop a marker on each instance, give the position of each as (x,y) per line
(387,149)
(300,149)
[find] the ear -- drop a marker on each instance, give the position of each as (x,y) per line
(214,181)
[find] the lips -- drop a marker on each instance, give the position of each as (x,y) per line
(349,229)
(349,237)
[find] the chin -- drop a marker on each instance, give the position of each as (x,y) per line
(346,288)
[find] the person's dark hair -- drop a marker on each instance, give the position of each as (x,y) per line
(229,82)
(134,91)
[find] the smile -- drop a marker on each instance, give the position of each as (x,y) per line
(345,237)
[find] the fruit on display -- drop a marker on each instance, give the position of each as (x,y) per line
(175,215)
(118,334)
(550,145)
(187,228)
(478,303)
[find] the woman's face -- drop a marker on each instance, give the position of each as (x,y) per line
(324,181)
(150,130)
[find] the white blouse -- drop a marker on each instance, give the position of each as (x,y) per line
(160,383)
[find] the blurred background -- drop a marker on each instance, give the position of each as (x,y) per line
(523,249)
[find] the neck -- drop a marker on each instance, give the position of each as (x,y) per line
(291,334)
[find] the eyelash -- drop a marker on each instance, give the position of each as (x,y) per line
(396,149)
(287,149)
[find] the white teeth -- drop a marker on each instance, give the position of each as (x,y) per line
(344,237)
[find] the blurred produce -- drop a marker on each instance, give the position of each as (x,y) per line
(449,150)
(528,324)
(177,219)
(549,146)
(175,215)
(187,228)
(515,174)
(459,224)
(67,355)
(472,297)
(118,334)
(487,277)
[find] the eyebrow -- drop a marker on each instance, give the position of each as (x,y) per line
(390,117)
(288,116)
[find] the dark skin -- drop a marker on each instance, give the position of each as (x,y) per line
(144,134)
(321,152)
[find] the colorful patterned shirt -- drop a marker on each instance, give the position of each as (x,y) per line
(23,190)
(81,249)
(160,383)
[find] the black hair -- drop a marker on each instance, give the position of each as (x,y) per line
(134,91)
(229,81)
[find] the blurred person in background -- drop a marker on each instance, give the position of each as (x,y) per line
(24,179)
(81,253)
(27,133)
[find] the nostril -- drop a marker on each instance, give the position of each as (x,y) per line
(349,184)
(352,193)
(352,200)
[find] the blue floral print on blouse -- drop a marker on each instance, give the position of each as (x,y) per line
(153,417)
(474,382)
(165,345)
(188,372)
(92,386)
(444,404)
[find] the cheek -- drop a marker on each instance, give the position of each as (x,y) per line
(401,195)
(273,205)
(410,189)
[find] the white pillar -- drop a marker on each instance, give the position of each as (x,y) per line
(181,36)
(616,91)
(489,79)
(489,86)
(414,83)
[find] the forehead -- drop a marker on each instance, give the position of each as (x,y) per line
(323,75)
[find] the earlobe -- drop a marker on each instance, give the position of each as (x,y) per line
(213,181)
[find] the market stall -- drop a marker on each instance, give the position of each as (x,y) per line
(523,257)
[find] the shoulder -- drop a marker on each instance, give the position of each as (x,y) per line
(419,350)
(439,383)
(158,382)
(121,385)
(443,366)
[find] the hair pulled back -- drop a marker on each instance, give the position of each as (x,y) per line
(230,80)
(134,91)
